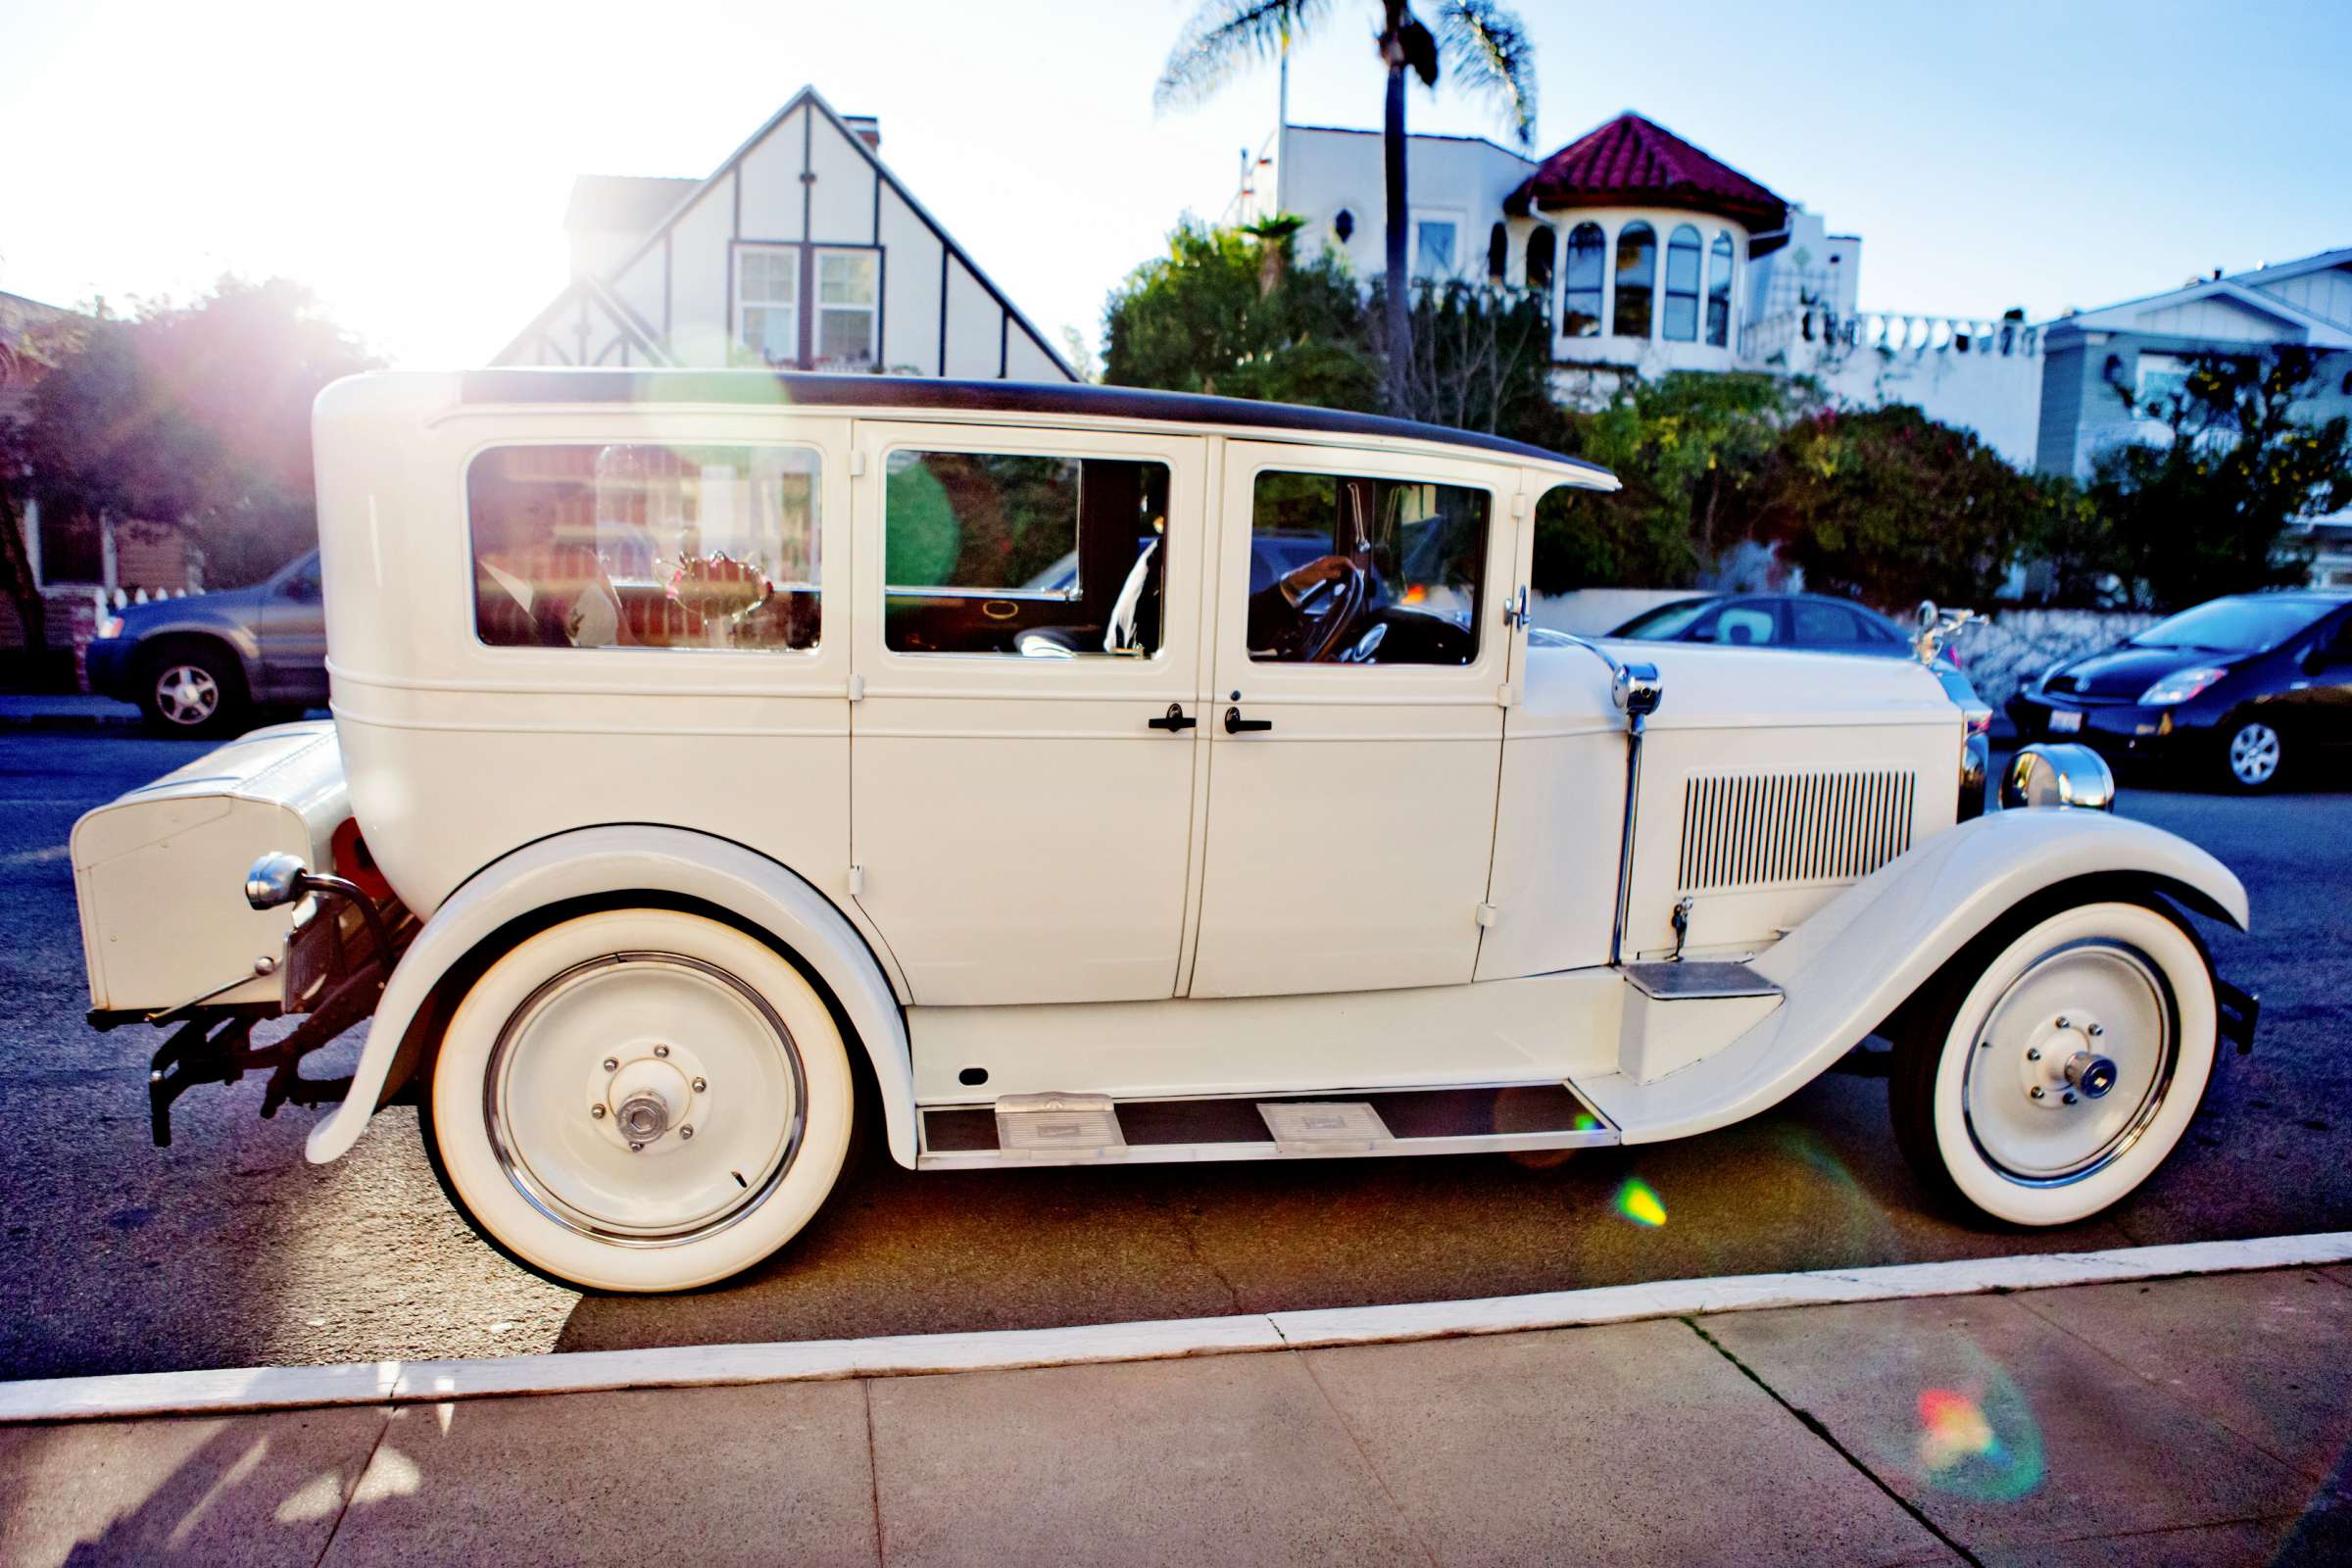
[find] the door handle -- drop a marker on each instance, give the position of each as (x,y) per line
(1173,720)
(1235,724)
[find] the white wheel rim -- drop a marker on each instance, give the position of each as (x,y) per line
(2254,754)
(699,1064)
(187,693)
(2030,1092)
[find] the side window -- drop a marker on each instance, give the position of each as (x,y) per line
(1739,626)
(1035,557)
(645,546)
(1819,625)
(1359,570)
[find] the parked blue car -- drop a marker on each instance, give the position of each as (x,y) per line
(206,663)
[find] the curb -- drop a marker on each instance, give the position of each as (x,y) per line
(249,1389)
(128,719)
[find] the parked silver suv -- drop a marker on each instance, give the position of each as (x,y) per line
(203,664)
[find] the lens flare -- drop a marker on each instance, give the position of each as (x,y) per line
(1988,1449)
(1637,1203)
(1586,1122)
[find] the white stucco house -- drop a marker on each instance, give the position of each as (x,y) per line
(1655,256)
(802,251)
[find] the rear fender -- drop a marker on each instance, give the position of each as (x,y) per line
(665,864)
(1849,967)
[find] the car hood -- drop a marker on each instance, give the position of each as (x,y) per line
(236,603)
(2122,673)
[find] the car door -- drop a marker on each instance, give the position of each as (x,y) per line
(2318,700)
(291,627)
(1351,808)
(1023,735)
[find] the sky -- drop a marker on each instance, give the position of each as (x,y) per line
(410,163)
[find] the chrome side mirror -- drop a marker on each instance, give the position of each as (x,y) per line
(276,879)
(2058,776)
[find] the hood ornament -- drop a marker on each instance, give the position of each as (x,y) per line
(1938,627)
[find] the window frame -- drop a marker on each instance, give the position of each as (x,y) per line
(1424,218)
(1721,251)
(806,305)
(1598,289)
(818,308)
(740,305)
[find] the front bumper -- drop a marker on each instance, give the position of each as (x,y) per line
(2121,732)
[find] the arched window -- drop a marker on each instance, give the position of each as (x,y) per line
(1580,304)
(1637,278)
(1682,285)
(1719,290)
(1538,257)
(1498,251)
(1343,224)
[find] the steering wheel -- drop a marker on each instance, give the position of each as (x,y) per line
(1350,594)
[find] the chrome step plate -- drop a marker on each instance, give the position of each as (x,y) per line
(1059,1127)
(1696,980)
(1325,1127)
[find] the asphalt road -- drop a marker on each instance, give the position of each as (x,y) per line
(227,1249)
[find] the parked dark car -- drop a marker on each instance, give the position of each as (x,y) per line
(206,664)
(2240,691)
(1813,621)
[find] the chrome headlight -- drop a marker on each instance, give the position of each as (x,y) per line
(2058,776)
(2180,686)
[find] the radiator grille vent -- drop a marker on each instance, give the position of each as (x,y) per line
(1761,829)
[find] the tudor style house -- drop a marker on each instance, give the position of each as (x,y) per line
(801,251)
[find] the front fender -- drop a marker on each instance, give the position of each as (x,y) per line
(1863,954)
(600,861)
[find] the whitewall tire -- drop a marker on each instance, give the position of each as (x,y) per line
(2044,1076)
(641,1100)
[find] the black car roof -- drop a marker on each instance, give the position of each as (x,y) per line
(519,384)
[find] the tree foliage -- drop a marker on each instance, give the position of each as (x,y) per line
(2207,508)
(195,419)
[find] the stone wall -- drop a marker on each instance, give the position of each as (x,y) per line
(2016,646)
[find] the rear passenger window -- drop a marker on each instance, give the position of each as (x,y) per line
(645,546)
(1824,625)
(1744,625)
(1030,557)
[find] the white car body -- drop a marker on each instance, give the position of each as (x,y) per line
(1412,892)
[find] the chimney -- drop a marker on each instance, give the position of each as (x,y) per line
(868,128)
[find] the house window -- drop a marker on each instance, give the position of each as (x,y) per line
(1637,275)
(1580,304)
(645,545)
(1433,248)
(1540,247)
(2159,379)
(1498,252)
(1719,291)
(848,287)
(1682,285)
(767,301)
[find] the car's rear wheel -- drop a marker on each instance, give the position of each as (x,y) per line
(640,1100)
(2047,1072)
(193,688)
(2253,755)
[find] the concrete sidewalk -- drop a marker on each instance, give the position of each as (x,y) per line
(72,711)
(2200,1420)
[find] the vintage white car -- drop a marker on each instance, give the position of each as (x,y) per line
(1080,776)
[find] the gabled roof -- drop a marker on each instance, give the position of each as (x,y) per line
(2280,272)
(2126,315)
(629,202)
(1635,162)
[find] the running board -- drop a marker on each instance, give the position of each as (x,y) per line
(1072,1129)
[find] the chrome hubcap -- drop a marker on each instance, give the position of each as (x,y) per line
(187,693)
(2070,1065)
(605,1108)
(2254,754)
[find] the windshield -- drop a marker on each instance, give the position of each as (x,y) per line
(1667,620)
(2245,626)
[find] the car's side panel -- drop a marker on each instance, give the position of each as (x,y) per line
(1865,952)
(623,859)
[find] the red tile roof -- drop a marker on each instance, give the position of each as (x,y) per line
(1632,161)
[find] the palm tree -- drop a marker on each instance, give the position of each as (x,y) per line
(1483,44)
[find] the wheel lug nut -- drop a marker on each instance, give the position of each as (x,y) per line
(2035,1091)
(2065,1023)
(661,1051)
(687,1131)
(2032,1053)
(700,1086)
(2096,1030)
(2070,1097)
(597,1111)
(612,1064)
(639,1148)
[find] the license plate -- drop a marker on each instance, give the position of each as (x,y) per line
(2065,721)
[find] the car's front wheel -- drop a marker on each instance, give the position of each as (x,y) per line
(2047,1072)
(640,1100)
(193,688)
(2253,755)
